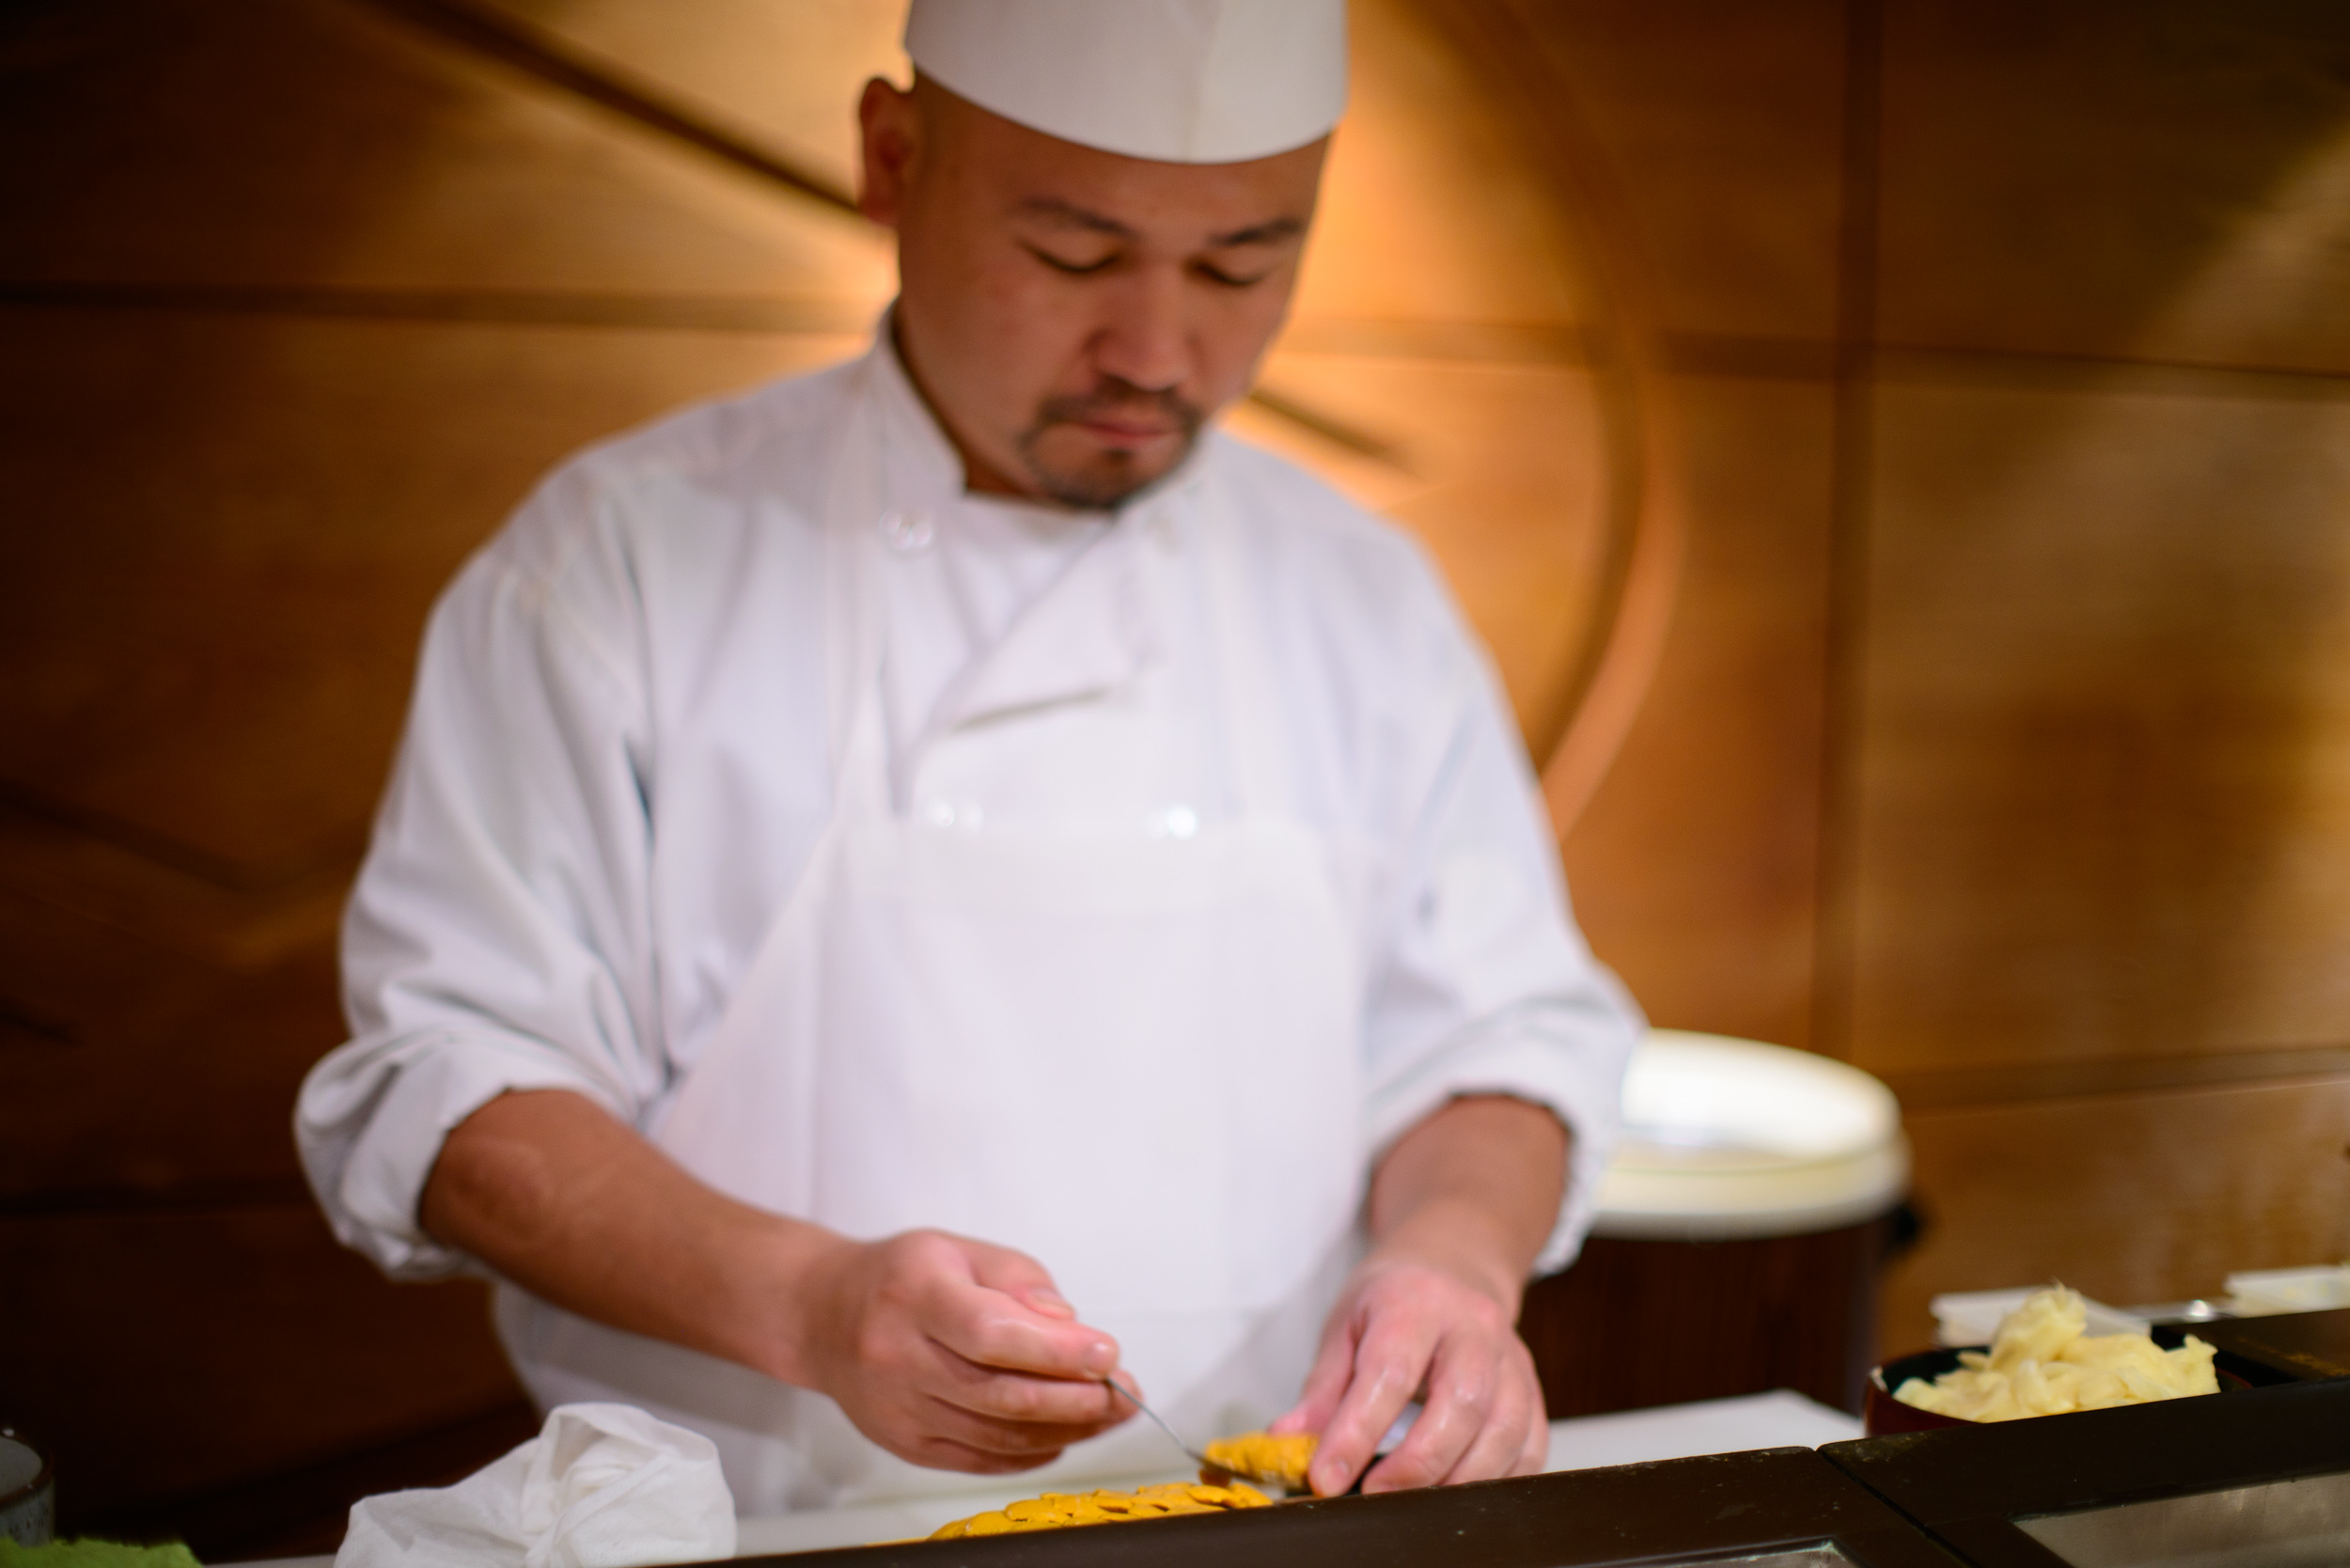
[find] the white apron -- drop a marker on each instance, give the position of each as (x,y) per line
(1133,1055)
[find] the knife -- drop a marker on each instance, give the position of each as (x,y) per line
(1189,1453)
(1223,1475)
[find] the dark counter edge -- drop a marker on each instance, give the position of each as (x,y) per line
(1967,1486)
(1674,1509)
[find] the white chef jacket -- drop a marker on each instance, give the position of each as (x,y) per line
(961,580)
(617,764)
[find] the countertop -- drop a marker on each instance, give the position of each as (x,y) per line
(1776,1419)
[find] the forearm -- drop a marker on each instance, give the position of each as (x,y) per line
(1473,1188)
(559,1197)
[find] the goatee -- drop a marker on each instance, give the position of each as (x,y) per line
(1106,479)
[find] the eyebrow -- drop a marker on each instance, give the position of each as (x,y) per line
(1067,214)
(1271,232)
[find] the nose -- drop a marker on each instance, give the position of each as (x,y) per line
(1146,340)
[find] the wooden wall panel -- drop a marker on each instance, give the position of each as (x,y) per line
(1499,470)
(2091,764)
(316,142)
(241,520)
(1718,129)
(1695,869)
(2105,776)
(2074,634)
(785,74)
(1721,127)
(334,470)
(2132,1198)
(236,1339)
(2119,178)
(155,1068)
(1485,242)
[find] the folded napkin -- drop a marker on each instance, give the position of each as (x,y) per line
(600,1487)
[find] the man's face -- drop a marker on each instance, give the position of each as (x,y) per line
(1074,316)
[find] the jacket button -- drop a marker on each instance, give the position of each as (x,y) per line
(907,533)
(952,813)
(1176,821)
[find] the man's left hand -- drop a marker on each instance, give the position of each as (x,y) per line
(1407,1329)
(1459,1208)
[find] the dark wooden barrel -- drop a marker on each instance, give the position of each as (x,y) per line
(1641,1323)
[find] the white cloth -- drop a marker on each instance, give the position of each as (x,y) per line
(1180,81)
(600,1487)
(620,764)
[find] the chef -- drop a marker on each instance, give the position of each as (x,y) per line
(920,890)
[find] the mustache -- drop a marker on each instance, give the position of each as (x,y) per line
(1114,399)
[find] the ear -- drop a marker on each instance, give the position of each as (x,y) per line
(892,127)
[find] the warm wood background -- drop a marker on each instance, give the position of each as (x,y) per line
(2001,741)
(300,295)
(1999,745)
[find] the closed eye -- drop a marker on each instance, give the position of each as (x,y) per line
(1225,278)
(1074,269)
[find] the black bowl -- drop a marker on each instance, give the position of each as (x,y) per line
(1882,1415)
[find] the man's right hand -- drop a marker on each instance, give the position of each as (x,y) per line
(947,1353)
(953,1353)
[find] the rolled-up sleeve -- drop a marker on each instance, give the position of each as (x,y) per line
(1481,984)
(498,937)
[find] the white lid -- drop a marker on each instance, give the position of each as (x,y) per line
(1728,1137)
(1973,1317)
(2263,1292)
(1180,81)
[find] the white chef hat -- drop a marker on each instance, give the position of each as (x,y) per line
(1180,81)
